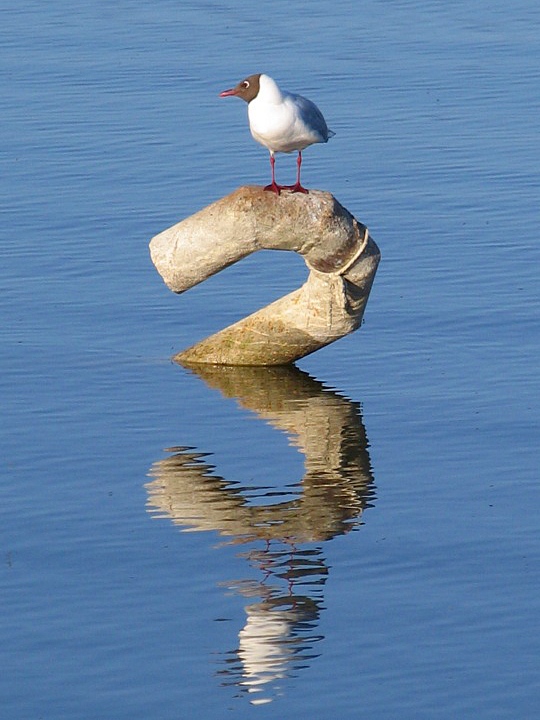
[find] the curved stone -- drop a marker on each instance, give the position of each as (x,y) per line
(340,254)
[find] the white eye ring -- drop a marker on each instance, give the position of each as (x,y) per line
(245,84)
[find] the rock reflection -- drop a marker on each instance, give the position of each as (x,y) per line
(280,630)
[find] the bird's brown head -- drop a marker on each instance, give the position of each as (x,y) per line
(247,89)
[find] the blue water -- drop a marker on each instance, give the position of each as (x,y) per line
(357,538)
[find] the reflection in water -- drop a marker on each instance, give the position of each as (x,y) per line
(280,630)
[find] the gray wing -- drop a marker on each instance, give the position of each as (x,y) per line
(311,115)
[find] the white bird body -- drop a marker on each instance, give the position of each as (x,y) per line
(281,121)
(284,122)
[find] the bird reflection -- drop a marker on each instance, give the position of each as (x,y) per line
(281,628)
(282,540)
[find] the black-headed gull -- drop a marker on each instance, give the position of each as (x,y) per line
(281,121)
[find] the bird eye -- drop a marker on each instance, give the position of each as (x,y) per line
(245,84)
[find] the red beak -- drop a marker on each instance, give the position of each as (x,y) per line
(226,93)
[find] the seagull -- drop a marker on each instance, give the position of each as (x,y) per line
(281,121)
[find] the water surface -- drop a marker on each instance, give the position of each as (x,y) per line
(355,537)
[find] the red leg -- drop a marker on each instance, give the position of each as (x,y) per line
(273,185)
(297,187)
